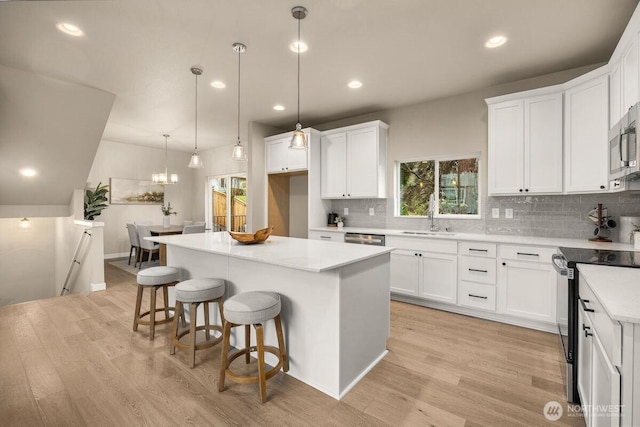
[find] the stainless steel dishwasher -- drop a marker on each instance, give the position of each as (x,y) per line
(364,239)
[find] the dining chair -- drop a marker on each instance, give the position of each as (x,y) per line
(146,245)
(199,223)
(134,240)
(191,229)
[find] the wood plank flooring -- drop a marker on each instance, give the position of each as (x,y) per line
(74,361)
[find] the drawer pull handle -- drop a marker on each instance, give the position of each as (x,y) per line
(478,250)
(477,270)
(527,254)
(584,306)
(325,237)
(587,334)
(477,296)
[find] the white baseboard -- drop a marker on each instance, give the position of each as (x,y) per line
(118,255)
(98,287)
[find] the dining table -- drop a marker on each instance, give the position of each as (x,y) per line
(160,230)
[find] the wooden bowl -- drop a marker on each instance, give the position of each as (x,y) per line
(249,239)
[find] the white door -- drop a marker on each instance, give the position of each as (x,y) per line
(297,159)
(615,94)
(586,135)
(605,388)
(277,156)
(528,290)
(543,144)
(585,346)
(362,163)
(629,63)
(333,165)
(506,148)
(439,277)
(405,272)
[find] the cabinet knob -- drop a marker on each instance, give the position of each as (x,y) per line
(415,254)
(602,187)
(521,190)
(504,263)
(343,195)
(526,189)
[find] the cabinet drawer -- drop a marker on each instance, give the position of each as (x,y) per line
(476,269)
(478,249)
(477,295)
(329,236)
(423,244)
(609,331)
(526,253)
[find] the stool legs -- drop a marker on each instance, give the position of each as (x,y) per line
(283,354)
(261,374)
(224,362)
(137,318)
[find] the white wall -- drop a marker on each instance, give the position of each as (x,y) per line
(117,160)
(298,206)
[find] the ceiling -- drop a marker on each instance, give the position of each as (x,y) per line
(404,52)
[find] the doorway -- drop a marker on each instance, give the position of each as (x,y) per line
(227,203)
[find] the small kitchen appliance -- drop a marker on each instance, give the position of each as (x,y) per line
(331,222)
(624,156)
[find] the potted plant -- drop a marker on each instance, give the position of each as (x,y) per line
(94,201)
(340,221)
(167,211)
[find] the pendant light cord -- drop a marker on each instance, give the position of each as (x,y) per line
(166,164)
(196,130)
(298,49)
(239,55)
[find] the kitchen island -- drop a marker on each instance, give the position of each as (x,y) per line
(335,298)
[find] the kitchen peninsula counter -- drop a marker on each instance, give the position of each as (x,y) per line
(335,298)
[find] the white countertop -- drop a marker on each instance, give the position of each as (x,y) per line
(493,238)
(301,254)
(617,288)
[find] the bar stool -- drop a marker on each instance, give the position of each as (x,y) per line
(154,278)
(195,292)
(252,308)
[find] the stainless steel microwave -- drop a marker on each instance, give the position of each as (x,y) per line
(623,147)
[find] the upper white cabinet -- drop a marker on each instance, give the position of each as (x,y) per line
(282,159)
(525,143)
(623,75)
(586,134)
(353,161)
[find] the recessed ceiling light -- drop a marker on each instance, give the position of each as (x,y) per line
(354,84)
(218,84)
(278,107)
(495,41)
(70,29)
(298,46)
(28,172)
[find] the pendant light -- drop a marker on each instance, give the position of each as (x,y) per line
(299,139)
(165,178)
(196,162)
(239,153)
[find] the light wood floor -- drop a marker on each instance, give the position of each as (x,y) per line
(74,361)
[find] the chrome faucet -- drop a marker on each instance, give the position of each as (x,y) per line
(432,209)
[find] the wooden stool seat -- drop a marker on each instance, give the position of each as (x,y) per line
(154,278)
(195,292)
(246,309)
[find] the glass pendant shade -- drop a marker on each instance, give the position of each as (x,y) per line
(239,153)
(196,161)
(299,139)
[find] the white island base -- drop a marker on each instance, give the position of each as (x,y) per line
(335,321)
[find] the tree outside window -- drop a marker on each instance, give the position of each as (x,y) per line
(454,181)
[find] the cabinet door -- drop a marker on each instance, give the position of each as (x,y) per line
(277,156)
(439,277)
(585,365)
(629,63)
(296,159)
(506,148)
(605,387)
(586,136)
(333,165)
(327,236)
(527,290)
(405,272)
(362,163)
(543,144)
(615,95)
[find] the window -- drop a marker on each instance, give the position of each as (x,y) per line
(227,203)
(453,182)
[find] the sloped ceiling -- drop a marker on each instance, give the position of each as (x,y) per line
(51,126)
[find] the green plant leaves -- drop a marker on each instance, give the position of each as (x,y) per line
(94,201)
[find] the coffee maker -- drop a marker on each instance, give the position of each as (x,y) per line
(331,221)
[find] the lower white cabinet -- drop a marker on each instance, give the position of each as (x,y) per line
(439,276)
(327,236)
(477,295)
(405,272)
(527,283)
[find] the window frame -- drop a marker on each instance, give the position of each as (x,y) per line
(437,159)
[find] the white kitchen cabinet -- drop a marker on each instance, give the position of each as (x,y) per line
(353,161)
(327,236)
(615,94)
(426,268)
(282,159)
(525,143)
(586,135)
(629,64)
(585,362)
(477,275)
(527,283)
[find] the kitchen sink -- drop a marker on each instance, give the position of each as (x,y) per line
(430,233)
